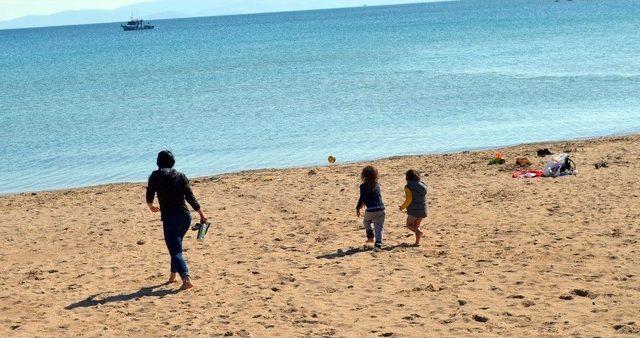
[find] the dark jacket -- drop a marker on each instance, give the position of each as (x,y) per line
(173,189)
(418,206)
(372,199)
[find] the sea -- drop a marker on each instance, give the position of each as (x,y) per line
(92,104)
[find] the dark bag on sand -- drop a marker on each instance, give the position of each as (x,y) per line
(544,152)
(568,165)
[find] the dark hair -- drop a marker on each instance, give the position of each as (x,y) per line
(369,176)
(412,175)
(165,159)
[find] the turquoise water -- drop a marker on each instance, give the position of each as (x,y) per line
(92,104)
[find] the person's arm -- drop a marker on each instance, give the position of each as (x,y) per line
(151,193)
(191,199)
(360,201)
(408,198)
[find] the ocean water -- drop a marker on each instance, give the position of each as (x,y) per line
(85,105)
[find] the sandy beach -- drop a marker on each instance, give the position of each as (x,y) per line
(285,256)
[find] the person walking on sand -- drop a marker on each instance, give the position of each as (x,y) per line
(172,188)
(371,197)
(415,203)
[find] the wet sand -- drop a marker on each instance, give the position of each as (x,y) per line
(500,256)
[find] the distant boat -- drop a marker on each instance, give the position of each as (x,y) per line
(136,25)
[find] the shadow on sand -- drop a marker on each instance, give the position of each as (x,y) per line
(144,292)
(352,251)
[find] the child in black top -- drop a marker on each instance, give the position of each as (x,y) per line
(371,197)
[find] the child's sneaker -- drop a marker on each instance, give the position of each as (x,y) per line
(378,245)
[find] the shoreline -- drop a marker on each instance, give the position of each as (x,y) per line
(357,162)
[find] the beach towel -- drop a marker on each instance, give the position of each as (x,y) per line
(528,174)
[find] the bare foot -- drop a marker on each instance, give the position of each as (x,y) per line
(418,237)
(172,278)
(186,285)
(369,240)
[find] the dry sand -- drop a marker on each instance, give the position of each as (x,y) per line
(532,257)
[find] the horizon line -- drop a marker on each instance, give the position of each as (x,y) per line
(411,2)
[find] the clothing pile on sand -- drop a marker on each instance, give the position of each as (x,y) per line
(557,165)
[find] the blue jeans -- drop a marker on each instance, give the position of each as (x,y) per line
(175,225)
